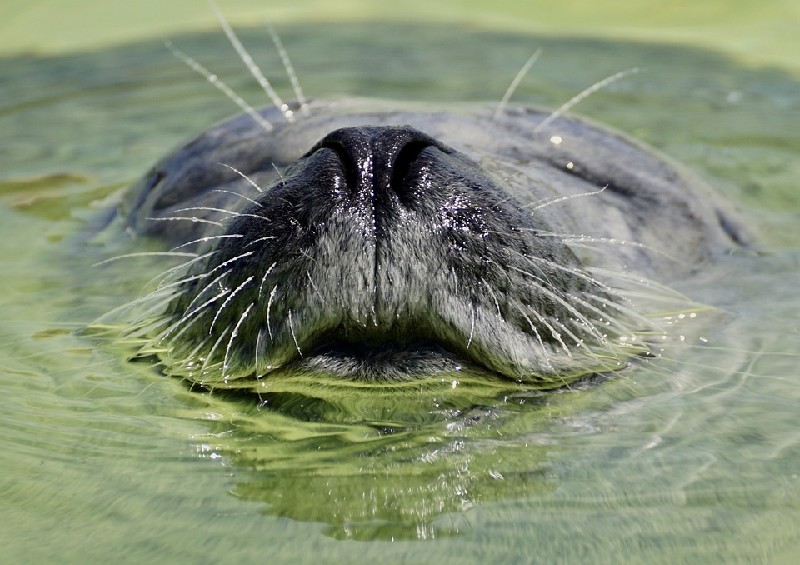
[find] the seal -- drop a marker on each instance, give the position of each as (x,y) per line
(370,242)
(377,241)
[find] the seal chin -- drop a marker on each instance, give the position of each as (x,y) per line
(388,363)
(384,255)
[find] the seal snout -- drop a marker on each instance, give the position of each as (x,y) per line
(382,253)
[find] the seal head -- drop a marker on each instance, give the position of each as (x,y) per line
(384,254)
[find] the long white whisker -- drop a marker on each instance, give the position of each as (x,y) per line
(234,334)
(165,275)
(259,337)
(242,196)
(230,297)
(494,297)
(471,326)
(220,210)
(250,64)
(130,304)
(264,279)
(582,95)
(227,263)
(287,64)
(188,316)
(278,170)
(294,337)
(141,331)
(203,290)
(193,353)
(193,219)
(515,83)
(260,239)
(314,286)
(221,86)
(639,281)
(269,307)
(244,176)
(213,349)
(553,332)
(539,339)
(208,238)
(601,314)
(560,300)
(556,199)
(146,254)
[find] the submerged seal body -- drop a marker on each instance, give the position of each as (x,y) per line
(372,241)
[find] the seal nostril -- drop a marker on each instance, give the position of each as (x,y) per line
(349,165)
(379,161)
(401,167)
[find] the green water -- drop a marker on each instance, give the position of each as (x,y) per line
(692,458)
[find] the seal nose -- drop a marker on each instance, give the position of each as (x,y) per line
(376,160)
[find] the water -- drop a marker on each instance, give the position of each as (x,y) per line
(692,458)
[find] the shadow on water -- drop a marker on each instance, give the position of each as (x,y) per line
(377,466)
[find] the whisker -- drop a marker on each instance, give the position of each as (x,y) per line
(228,262)
(515,83)
(264,279)
(245,177)
(230,297)
(259,337)
(203,290)
(221,86)
(314,286)
(250,64)
(539,339)
(294,337)
(193,219)
(193,353)
(191,317)
(242,196)
(234,334)
(584,242)
(494,297)
(179,282)
(471,326)
(260,239)
(131,304)
(608,303)
(278,170)
(142,331)
(165,275)
(554,295)
(544,203)
(146,254)
(287,64)
(269,307)
(556,335)
(220,210)
(574,271)
(213,350)
(582,95)
(639,281)
(208,238)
